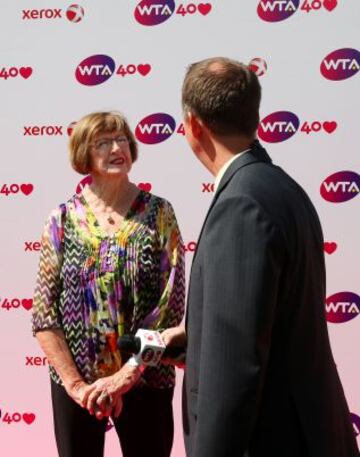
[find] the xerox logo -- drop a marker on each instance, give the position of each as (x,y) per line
(43,130)
(340,187)
(48,130)
(95,70)
(154,12)
(355,419)
(49,13)
(155,128)
(74,13)
(278,126)
(36,361)
(342,307)
(258,66)
(340,64)
(277,10)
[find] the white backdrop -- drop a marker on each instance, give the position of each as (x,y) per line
(309,51)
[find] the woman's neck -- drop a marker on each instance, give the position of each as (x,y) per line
(112,191)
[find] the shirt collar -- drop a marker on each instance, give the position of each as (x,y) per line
(225,167)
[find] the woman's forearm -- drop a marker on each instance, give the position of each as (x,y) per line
(56,349)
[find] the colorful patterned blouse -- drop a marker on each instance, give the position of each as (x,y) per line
(96,287)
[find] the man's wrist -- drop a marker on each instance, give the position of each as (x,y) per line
(135,364)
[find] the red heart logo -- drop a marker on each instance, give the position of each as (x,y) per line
(204,8)
(27,303)
(26,188)
(29,418)
(329,127)
(146,186)
(26,72)
(330,4)
(144,69)
(329,248)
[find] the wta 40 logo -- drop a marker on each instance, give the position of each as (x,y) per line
(282,125)
(340,187)
(13,72)
(342,307)
(13,189)
(74,13)
(157,128)
(155,12)
(10,417)
(279,10)
(99,68)
(16,303)
(341,64)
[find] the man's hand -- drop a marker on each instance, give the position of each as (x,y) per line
(174,337)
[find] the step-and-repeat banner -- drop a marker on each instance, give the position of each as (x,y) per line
(60,61)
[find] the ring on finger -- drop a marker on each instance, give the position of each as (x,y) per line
(105,395)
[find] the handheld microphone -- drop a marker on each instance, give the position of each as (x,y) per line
(147,348)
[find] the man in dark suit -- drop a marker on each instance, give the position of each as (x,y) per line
(260,378)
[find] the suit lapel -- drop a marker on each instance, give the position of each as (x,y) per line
(256,154)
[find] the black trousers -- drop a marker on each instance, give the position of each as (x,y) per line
(145,426)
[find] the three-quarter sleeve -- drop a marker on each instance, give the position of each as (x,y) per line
(171,306)
(48,284)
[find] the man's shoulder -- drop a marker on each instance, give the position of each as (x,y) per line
(262,178)
(270,187)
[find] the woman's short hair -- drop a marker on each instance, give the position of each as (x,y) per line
(85,131)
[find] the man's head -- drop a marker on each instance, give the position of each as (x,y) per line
(220,99)
(224,94)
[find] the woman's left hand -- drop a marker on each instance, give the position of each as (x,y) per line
(105,400)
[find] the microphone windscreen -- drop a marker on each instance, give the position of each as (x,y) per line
(129,344)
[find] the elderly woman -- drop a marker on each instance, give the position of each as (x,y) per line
(112,261)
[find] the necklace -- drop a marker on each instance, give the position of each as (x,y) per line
(108,211)
(110,219)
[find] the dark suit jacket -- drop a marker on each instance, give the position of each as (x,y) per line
(260,376)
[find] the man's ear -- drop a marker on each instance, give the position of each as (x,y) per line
(195,125)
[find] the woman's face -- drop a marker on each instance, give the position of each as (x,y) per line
(110,154)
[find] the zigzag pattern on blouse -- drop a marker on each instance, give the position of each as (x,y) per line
(47,289)
(71,301)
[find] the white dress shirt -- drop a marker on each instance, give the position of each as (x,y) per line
(225,167)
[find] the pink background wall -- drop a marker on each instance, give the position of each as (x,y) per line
(43,45)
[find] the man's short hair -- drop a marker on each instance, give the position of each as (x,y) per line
(85,131)
(224,94)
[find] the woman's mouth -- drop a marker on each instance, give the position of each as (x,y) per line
(118,161)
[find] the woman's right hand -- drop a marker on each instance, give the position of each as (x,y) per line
(79,391)
(105,398)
